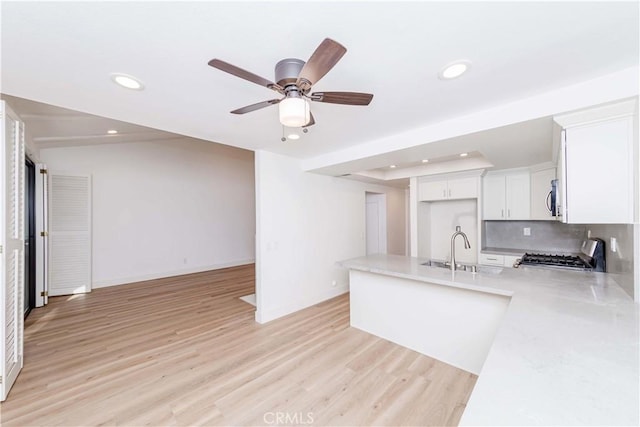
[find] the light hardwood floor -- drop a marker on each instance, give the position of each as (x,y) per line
(186,351)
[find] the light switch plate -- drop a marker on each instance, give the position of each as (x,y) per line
(613,245)
(527,231)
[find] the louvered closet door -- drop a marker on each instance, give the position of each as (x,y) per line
(12,241)
(69,233)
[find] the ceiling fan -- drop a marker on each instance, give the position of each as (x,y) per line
(294,79)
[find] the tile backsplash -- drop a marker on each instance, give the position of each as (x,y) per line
(546,236)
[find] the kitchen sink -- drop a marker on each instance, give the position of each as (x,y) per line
(485,269)
(434,263)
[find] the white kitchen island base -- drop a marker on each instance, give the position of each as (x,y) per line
(566,350)
(456,326)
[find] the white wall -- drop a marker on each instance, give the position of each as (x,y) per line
(439,224)
(621,262)
(165,208)
(305,224)
(397,224)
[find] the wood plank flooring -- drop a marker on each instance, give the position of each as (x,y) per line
(186,351)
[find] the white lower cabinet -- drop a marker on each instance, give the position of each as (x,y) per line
(491,259)
(498,260)
(509,260)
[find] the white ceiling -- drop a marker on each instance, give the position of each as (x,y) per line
(63,55)
(48,126)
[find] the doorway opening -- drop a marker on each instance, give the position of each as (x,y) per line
(29,236)
(376,223)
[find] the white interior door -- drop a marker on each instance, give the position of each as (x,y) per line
(42,239)
(69,233)
(376,223)
(12,248)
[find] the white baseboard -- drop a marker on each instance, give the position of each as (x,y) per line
(160,275)
(264,316)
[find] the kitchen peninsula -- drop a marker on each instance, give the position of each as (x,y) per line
(550,347)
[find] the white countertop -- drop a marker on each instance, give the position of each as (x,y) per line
(566,353)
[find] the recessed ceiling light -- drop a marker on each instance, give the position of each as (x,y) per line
(425,160)
(392,166)
(464,154)
(127,81)
(453,70)
(293,136)
(112,131)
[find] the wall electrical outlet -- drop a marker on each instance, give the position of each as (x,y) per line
(527,231)
(334,283)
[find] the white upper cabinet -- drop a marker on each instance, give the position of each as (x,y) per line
(518,202)
(506,195)
(494,195)
(540,193)
(448,189)
(434,190)
(597,170)
(462,188)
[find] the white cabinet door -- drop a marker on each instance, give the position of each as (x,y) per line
(561,195)
(464,188)
(517,196)
(501,260)
(540,189)
(434,190)
(599,172)
(509,260)
(494,193)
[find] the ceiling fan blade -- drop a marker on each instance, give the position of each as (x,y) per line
(346,98)
(257,106)
(312,121)
(322,60)
(243,74)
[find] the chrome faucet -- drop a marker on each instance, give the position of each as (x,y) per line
(453,245)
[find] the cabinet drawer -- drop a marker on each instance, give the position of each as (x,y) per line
(491,259)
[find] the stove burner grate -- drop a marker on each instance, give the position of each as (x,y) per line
(567,261)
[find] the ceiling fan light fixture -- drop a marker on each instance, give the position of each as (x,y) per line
(294,112)
(454,70)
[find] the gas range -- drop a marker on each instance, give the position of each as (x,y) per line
(563,261)
(590,258)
